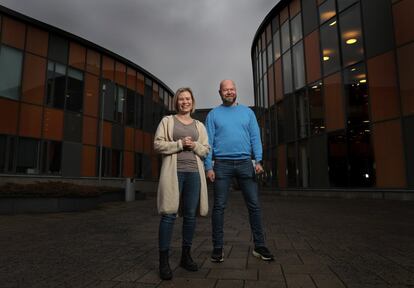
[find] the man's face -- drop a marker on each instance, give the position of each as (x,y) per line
(228,93)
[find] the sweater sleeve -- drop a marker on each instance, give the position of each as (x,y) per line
(162,143)
(208,161)
(255,138)
(201,146)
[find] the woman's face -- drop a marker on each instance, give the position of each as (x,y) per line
(184,102)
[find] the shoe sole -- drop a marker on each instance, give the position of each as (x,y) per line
(255,254)
(217,260)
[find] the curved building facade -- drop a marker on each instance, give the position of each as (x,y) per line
(70,108)
(334,91)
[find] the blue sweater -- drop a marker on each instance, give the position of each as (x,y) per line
(233,133)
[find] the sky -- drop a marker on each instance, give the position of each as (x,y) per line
(195,43)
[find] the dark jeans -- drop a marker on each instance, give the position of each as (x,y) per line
(189,185)
(243,170)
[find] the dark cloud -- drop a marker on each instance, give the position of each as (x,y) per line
(183,42)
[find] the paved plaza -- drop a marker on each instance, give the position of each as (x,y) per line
(317,242)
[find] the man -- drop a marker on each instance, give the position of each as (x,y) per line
(234,136)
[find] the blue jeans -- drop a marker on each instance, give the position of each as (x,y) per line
(189,186)
(243,170)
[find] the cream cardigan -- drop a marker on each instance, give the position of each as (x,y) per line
(168,195)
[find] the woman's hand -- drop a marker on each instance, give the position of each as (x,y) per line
(188,143)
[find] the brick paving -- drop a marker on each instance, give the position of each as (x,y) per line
(318,242)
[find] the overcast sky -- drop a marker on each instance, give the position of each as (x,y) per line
(192,43)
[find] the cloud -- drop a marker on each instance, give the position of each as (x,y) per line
(182,42)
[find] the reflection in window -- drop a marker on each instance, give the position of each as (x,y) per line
(296,24)
(28,156)
(356,91)
(351,36)
(330,47)
(302,116)
(298,66)
(287,72)
(11,61)
(285,37)
(51,157)
(108,91)
(337,159)
(276,45)
(56,85)
(74,96)
(327,11)
(342,4)
(264,63)
(316,109)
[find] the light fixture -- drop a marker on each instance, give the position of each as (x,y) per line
(315,86)
(325,58)
(332,23)
(363,81)
(351,41)
(353,69)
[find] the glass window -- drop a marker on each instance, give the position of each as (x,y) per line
(316,109)
(285,37)
(276,45)
(303,164)
(290,113)
(351,36)
(7,153)
(119,104)
(51,157)
(338,159)
(318,161)
(377,16)
(298,66)
(291,165)
(360,157)
(130,108)
(148,104)
(408,127)
(56,85)
(296,26)
(269,55)
(139,111)
(334,103)
(11,61)
(74,96)
(275,24)
(27,156)
(326,11)
(355,84)
(281,122)
(302,114)
(58,49)
(287,73)
(330,47)
(342,4)
(310,16)
(108,91)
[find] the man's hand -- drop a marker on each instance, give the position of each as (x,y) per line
(211,175)
(258,168)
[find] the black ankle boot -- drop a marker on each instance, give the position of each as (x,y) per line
(165,270)
(186,260)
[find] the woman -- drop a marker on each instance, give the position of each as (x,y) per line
(182,187)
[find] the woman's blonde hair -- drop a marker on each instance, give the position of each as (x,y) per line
(179,91)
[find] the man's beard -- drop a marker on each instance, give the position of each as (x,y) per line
(228,100)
